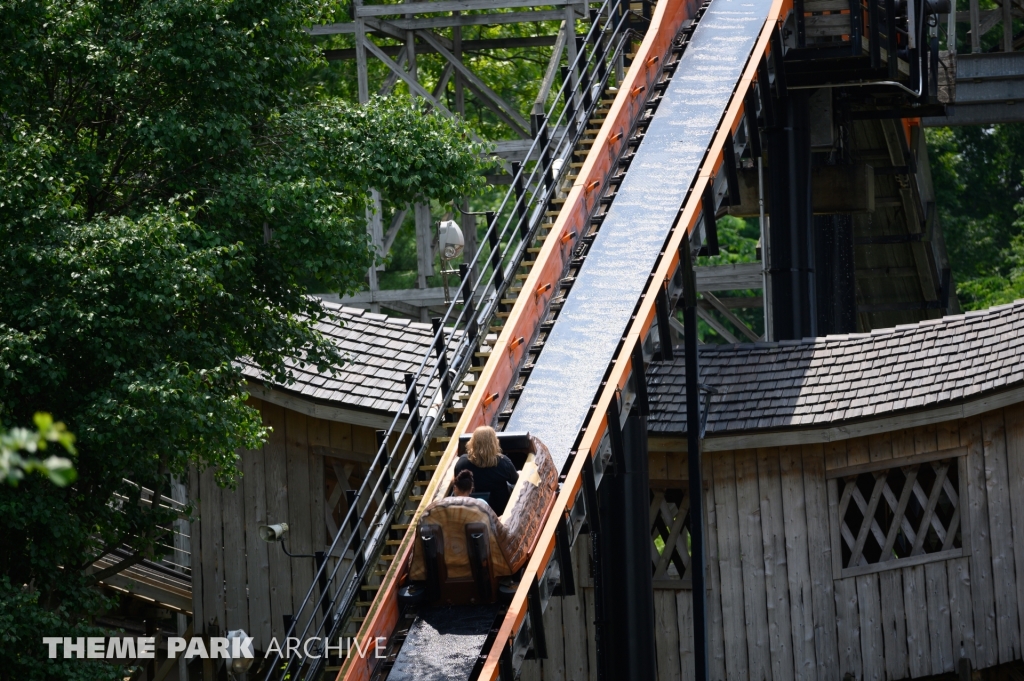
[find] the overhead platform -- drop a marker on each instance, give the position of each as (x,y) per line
(987,89)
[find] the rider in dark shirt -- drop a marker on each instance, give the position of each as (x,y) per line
(494,473)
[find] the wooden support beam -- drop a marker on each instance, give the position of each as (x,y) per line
(710,320)
(424,251)
(392,79)
(746,275)
(467,46)
(457,20)
(439,6)
(362,74)
(975,12)
(540,103)
(410,81)
(730,317)
(516,121)
(396,224)
(1007,26)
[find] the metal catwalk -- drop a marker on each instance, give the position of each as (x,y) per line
(568,373)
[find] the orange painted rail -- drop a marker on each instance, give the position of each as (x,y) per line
(645,317)
(531,308)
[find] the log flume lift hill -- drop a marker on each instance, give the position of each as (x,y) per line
(590,251)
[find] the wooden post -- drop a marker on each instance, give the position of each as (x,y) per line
(424,252)
(1007,26)
(469,237)
(951,35)
(362,77)
(975,26)
(460,92)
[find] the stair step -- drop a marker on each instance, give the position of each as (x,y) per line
(431,467)
(400,527)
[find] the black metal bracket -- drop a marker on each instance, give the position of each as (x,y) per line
(566,578)
(710,220)
(753,129)
(643,402)
(615,434)
(540,642)
(731,177)
(661,310)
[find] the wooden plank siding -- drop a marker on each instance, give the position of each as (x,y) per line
(240,581)
(776,608)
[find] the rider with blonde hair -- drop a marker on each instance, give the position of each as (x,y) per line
(494,474)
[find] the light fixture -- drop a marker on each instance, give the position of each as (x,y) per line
(273,533)
(240,665)
(451,243)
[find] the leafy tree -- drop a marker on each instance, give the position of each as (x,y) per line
(978,174)
(172,178)
(14,465)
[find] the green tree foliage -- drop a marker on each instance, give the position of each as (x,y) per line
(172,176)
(16,443)
(978,175)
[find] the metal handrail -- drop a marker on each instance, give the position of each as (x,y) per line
(391,475)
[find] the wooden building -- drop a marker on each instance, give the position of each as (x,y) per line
(865,509)
(323,436)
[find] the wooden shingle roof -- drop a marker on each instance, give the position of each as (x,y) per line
(378,351)
(825,382)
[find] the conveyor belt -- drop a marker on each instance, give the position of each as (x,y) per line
(443,643)
(577,352)
(562,385)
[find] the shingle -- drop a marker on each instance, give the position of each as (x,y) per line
(825,381)
(378,351)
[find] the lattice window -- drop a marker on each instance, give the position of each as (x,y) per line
(891,517)
(341,476)
(670,537)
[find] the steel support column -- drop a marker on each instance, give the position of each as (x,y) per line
(791,238)
(625,504)
(695,475)
(835,281)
